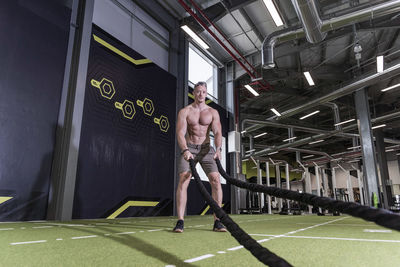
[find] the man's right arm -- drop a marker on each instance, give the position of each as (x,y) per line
(181,128)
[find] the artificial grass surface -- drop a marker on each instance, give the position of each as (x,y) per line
(150,242)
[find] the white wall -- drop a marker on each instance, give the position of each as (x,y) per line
(131,25)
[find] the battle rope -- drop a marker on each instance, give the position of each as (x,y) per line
(260,252)
(379,216)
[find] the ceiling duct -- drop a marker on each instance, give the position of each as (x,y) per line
(267,51)
(307,13)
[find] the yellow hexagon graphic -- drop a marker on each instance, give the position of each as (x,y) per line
(163,123)
(146,105)
(105,86)
(127,108)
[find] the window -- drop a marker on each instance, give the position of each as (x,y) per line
(203,69)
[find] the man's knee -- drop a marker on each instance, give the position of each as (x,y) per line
(213,177)
(184,176)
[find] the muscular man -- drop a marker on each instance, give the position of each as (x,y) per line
(193,133)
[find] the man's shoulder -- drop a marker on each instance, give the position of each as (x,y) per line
(185,109)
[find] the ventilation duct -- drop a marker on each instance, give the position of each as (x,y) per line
(309,12)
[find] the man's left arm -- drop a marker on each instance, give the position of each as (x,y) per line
(216,128)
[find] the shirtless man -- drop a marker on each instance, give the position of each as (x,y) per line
(193,133)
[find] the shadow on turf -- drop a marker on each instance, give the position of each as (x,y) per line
(140,245)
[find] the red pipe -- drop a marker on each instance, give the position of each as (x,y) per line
(188,9)
(229,42)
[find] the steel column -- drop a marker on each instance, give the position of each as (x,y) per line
(367,144)
(259,181)
(287,184)
(268,184)
(383,168)
(318,184)
(360,186)
(278,184)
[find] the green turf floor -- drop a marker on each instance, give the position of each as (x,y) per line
(301,240)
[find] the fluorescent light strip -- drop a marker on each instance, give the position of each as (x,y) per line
(389,150)
(276,112)
(343,122)
(353,147)
(391,87)
(378,126)
(309,156)
(260,135)
(273,153)
(274,12)
(309,78)
(315,142)
(309,115)
(292,138)
(195,36)
(248,87)
(379,63)
(242,132)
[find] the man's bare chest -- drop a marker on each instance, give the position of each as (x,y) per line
(203,118)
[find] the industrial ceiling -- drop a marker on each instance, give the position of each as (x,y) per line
(336,41)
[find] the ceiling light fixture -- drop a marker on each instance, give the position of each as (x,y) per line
(273,12)
(309,78)
(276,112)
(389,150)
(315,142)
(260,135)
(248,87)
(309,156)
(292,138)
(391,87)
(378,126)
(194,36)
(343,122)
(353,147)
(309,115)
(379,64)
(273,153)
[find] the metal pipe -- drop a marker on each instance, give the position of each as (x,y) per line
(267,58)
(308,151)
(307,13)
(361,83)
(296,127)
(317,137)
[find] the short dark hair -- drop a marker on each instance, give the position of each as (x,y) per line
(201,84)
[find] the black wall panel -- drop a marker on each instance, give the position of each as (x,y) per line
(125,157)
(33,41)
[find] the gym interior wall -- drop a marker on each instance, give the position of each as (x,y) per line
(34,40)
